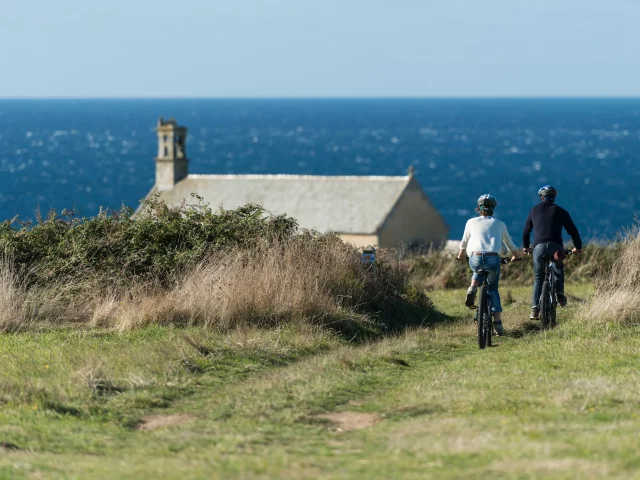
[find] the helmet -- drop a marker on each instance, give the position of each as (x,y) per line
(547,191)
(487,200)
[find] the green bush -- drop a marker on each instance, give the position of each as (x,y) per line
(118,248)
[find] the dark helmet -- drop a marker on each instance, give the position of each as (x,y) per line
(547,191)
(487,200)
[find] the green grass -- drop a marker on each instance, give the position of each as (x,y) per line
(558,404)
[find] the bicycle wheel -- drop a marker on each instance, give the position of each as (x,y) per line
(553,299)
(483,317)
(545,305)
(489,326)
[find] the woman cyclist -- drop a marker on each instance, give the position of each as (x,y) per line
(483,239)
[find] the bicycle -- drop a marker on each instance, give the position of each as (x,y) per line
(484,313)
(548,296)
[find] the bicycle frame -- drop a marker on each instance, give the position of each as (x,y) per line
(485,309)
(485,283)
(549,305)
(549,275)
(485,331)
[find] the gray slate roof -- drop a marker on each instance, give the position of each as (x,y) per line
(343,204)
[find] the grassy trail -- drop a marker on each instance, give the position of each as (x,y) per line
(290,404)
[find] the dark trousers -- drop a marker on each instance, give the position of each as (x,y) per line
(541,250)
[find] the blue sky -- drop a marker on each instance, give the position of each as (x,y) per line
(319,48)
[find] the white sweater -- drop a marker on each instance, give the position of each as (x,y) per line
(486,234)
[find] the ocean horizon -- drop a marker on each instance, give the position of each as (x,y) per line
(89,153)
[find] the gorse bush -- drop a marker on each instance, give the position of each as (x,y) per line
(189,265)
(113,248)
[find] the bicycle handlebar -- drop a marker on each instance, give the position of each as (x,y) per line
(506,260)
(503,260)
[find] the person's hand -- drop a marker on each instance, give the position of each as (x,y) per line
(515,258)
(575,250)
(462,254)
(528,251)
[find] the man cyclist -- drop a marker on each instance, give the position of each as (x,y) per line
(483,239)
(547,220)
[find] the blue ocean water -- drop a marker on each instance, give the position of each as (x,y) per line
(99,153)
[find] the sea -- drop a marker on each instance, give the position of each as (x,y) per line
(89,154)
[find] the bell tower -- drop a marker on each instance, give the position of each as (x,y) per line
(171,162)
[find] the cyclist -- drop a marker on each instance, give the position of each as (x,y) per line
(483,239)
(547,220)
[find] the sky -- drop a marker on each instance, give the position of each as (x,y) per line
(319,48)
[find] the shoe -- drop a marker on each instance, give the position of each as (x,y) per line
(471,300)
(535,314)
(562,300)
(497,326)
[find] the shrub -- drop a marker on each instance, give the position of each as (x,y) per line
(191,266)
(116,249)
(310,278)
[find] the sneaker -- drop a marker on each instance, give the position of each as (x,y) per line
(535,314)
(497,326)
(562,300)
(471,300)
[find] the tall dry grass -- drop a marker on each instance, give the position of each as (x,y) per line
(22,307)
(617,289)
(307,278)
(12,298)
(314,282)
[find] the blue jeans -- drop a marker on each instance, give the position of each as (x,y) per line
(541,250)
(492,264)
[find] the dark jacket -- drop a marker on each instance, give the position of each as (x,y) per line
(546,220)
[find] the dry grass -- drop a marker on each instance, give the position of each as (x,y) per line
(319,283)
(438,269)
(292,282)
(22,307)
(153,422)
(617,293)
(12,298)
(348,421)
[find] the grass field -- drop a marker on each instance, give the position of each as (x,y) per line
(297,402)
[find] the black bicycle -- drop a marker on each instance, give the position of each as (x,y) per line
(548,296)
(484,313)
